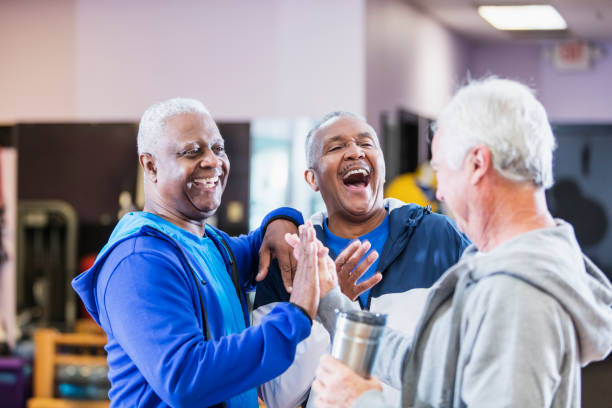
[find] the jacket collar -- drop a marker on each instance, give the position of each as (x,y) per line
(403,219)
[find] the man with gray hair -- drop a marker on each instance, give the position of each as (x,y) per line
(346,165)
(514,320)
(169,289)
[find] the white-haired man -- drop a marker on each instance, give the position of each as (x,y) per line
(514,320)
(169,290)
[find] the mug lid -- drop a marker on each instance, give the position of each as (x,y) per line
(362,316)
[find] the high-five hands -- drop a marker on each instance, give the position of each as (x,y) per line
(310,265)
(326,268)
(346,270)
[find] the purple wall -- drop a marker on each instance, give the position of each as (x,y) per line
(412,61)
(582,97)
(520,62)
(576,97)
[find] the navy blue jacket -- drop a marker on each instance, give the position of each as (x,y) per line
(420,247)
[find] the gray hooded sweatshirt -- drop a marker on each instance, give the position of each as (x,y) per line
(506,328)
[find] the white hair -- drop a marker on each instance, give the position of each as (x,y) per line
(505,116)
(310,146)
(154,119)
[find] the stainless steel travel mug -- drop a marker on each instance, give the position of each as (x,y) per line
(356,339)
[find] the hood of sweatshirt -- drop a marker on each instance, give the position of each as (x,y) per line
(563,272)
(85,283)
(131,225)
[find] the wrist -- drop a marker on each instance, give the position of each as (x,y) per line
(303,310)
(284,213)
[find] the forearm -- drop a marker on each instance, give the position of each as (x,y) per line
(189,371)
(149,311)
(332,301)
(246,247)
(392,350)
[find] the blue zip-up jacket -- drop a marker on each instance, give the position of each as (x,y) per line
(167,342)
(421,245)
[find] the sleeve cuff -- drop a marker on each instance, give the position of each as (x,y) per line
(332,301)
(282,213)
(303,311)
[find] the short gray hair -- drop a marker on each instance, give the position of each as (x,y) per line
(505,116)
(310,146)
(154,118)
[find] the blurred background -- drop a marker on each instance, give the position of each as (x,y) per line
(75,76)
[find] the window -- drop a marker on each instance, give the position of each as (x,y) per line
(277,168)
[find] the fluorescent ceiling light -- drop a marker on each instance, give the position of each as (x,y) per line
(532,17)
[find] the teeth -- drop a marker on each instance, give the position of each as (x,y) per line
(356,171)
(208,182)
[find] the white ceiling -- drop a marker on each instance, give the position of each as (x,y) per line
(586,19)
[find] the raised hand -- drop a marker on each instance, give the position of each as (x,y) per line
(328,279)
(306,292)
(349,273)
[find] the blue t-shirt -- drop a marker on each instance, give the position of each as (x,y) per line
(210,268)
(377,237)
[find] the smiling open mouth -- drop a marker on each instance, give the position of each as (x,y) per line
(209,182)
(356,177)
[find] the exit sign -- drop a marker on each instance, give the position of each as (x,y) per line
(572,56)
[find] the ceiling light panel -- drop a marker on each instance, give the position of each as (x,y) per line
(527,17)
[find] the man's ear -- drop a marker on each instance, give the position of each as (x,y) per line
(147,162)
(310,178)
(480,162)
